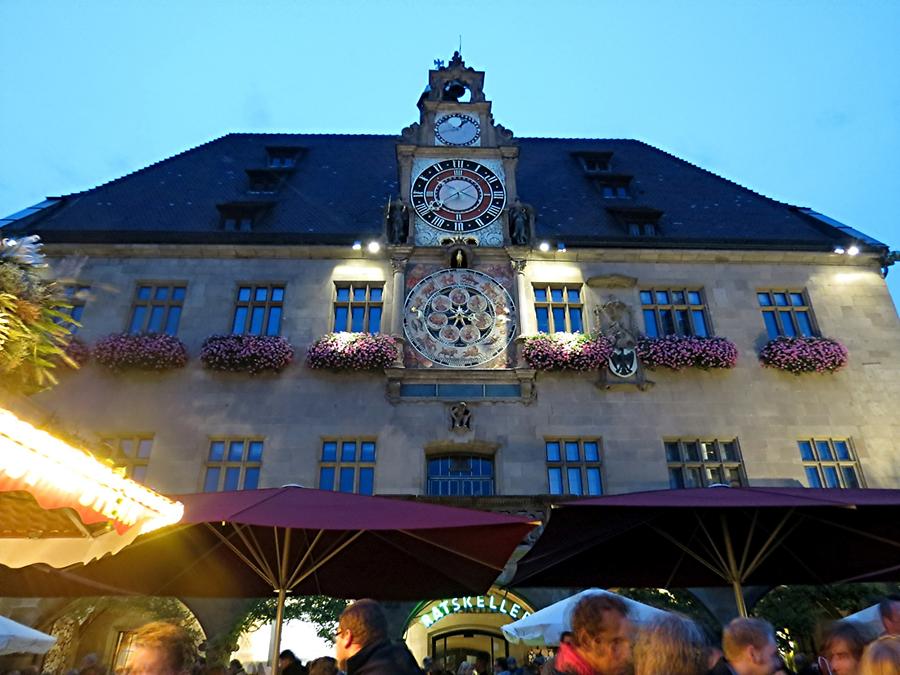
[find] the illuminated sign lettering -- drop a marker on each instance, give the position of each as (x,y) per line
(478,604)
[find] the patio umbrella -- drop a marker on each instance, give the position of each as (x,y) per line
(296,540)
(18,639)
(60,506)
(719,536)
(546,625)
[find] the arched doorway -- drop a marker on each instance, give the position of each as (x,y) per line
(461,629)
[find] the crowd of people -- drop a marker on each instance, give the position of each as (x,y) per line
(603,641)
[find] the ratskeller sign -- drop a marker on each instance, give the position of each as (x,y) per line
(479,604)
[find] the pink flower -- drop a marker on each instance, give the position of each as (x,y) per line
(566,351)
(246,353)
(687,351)
(353,351)
(145,351)
(804,354)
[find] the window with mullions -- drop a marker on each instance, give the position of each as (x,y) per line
(76,296)
(233,464)
(786,313)
(156,308)
(701,463)
(130,452)
(351,462)
(674,311)
(573,467)
(358,307)
(559,309)
(830,463)
(258,310)
(460,475)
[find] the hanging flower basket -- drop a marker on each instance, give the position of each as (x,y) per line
(146,351)
(246,353)
(566,351)
(687,351)
(353,351)
(804,355)
(78,351)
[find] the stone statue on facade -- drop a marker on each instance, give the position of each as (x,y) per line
(460,417)
(397,221)
(519,224)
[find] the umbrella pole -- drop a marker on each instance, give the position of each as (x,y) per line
(276,641)
(733,571)
(739,598)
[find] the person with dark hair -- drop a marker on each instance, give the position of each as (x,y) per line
(843,647)
(501,666)
(236,668)
(161,648)
(362,645)
(601,639)
(289,664)
(889,608)
(324,665)
(749,647)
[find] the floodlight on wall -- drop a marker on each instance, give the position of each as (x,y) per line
(561,247)
(853,250)
(544,246)
(839,250)
(373,247)
(357,245)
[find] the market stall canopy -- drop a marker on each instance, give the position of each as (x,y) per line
(544,627)
(18,639)
(61,506)
(719,536)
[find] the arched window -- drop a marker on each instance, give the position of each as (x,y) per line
(460,475)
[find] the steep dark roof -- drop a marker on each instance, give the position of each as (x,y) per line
(338,189)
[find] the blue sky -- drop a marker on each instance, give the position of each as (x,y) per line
(797,100)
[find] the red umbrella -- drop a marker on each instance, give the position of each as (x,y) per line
(296,540)
(718,536)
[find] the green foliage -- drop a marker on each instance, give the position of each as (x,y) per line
(319,610)
(799,613)
(34,330)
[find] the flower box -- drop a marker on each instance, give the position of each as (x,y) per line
(687,351)
(246,353)
(804,354)
(566,351)
(353,351)
(78,351)
(145,351)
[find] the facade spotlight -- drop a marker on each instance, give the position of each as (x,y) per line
(357,245)
(839,250)
(544,246)
(374,247)
(561,247)
(853,250)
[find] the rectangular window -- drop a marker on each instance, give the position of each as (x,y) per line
(156,308)
(76,296)
(674,311)
(574,467)
(830,463)
(233,464)
(358,307)
(258,310)
(559,309)
(348,465)
(703,462)
(130,452)
(460,476)
(786,313)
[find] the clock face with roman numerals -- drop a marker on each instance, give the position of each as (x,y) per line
(458,195)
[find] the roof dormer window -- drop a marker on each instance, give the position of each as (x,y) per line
(283,156)
(614,186)
(241,216)
(263,181)
(639,221)
(642,229)
(594,162)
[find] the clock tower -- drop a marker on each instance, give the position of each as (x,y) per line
(457,167)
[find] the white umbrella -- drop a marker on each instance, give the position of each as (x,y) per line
(16,638)
(545,626)
(868,619)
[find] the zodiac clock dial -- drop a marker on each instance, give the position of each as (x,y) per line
(459,318)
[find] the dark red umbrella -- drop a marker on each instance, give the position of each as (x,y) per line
(718,536)
(302,541)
